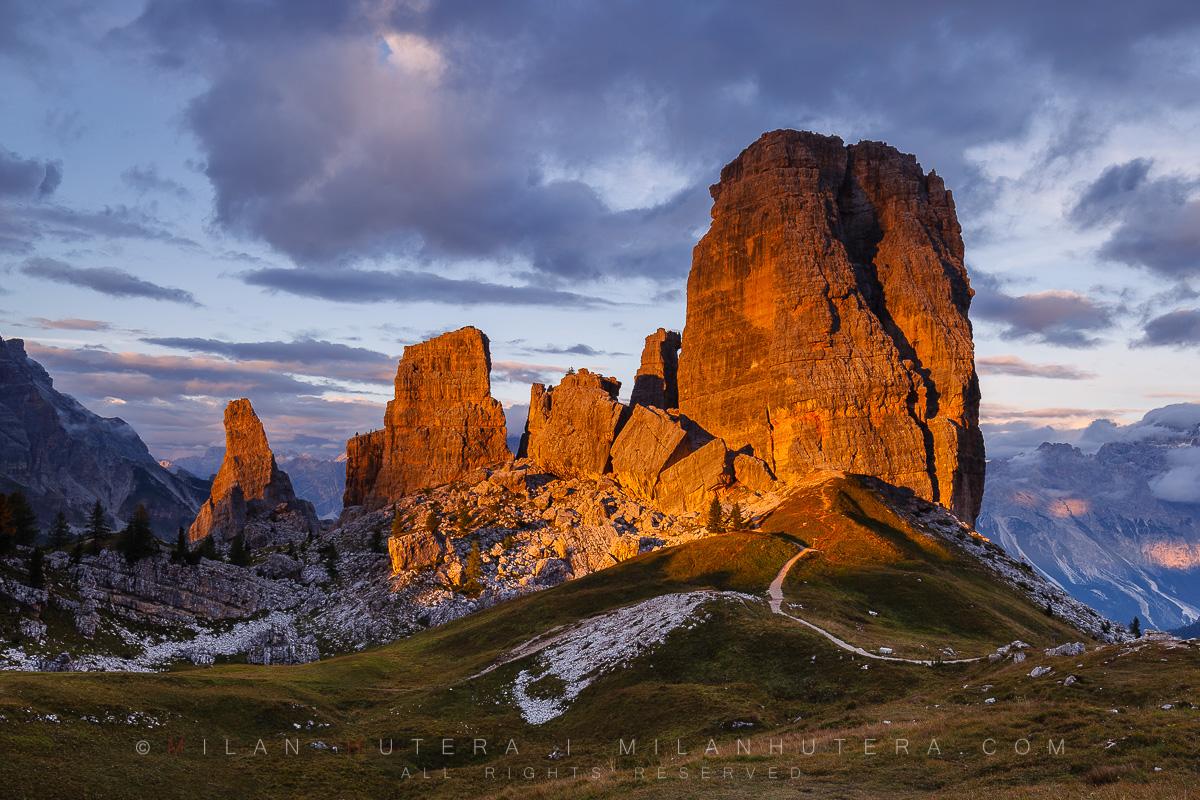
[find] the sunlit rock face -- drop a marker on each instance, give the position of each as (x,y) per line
(250,494)
(443,424)
(827,319)
(655,383)
(572,426)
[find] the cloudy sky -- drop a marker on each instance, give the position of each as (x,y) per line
(208,199)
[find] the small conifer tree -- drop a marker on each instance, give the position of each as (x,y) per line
(716,523)
(736,521)
(77,553)
(433,521)
(377,540)
(24,519)
(137,539)
(6,532)
(97,527)
(473,572)
(239,554)
(37,570)
(1135,627)
(462,520)
(181,553)
(397,523)
(60,531)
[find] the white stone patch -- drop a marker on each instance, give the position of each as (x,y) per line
(604,644)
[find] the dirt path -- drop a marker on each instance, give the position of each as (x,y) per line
(776,596)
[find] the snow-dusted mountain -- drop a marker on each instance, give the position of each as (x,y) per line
(64,457)
(1119,528)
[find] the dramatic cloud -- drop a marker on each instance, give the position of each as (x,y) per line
(573,350)
(144,178)
(106,280)
(1181,482)
(1009,431)
(27,177)
(379,286)
(1179,328)
(22,226)
(302,355)
(579,141)
(1015,365)
(1157,225)
(1053,317)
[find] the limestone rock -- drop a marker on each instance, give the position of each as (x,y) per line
(250,484)
(655,383)
(572,426)
(416,550)
(624,548)
(551,571)
(442,426)
(827,319)
(650,442)
(753,473)
(688,485)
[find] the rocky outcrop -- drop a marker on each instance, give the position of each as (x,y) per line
(443,424)
(250,487)
(827,319)
(572,426)
(65,458)
(416,550)
(650,441)
(655,383)
(689,484)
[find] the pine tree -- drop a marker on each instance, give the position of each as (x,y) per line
(433,521)
(473,571)
(37,573)
(715,522)
(1135,628)
(206,549)
(60,531)
(97,528)
(397,523)
(239,554)
(24,520)
(736,521)
(462,520)
(6,532)
(137,539)
(181,552)
(77,553)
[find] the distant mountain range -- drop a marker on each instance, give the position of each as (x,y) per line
(321,481)
(1118,528)
(64,457)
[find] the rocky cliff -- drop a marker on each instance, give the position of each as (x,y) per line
(655,383)
(443,424)
(827,319)
(64,457)
(572,426)
(251,495)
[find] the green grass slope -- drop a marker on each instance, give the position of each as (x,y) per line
(743,674)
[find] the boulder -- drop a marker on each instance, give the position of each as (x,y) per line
(572,426)
(650,441)
(1069,649)
(827,319)
(416,550)
(688,484)
(443,425)
(753,473)
(551,571)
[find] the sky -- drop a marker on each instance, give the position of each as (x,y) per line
(208,199)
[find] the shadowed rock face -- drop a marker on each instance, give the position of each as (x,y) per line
(249,485)
(443,424)
(827,319)
(65,458)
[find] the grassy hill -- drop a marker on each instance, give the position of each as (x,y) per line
(729,671)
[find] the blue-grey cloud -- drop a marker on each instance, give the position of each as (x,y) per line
(381,286)
(145,178)
(27,177)
(1055,317)
(1019,367)
(311,356)
(495,118)
(106,280)
(1179,328)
